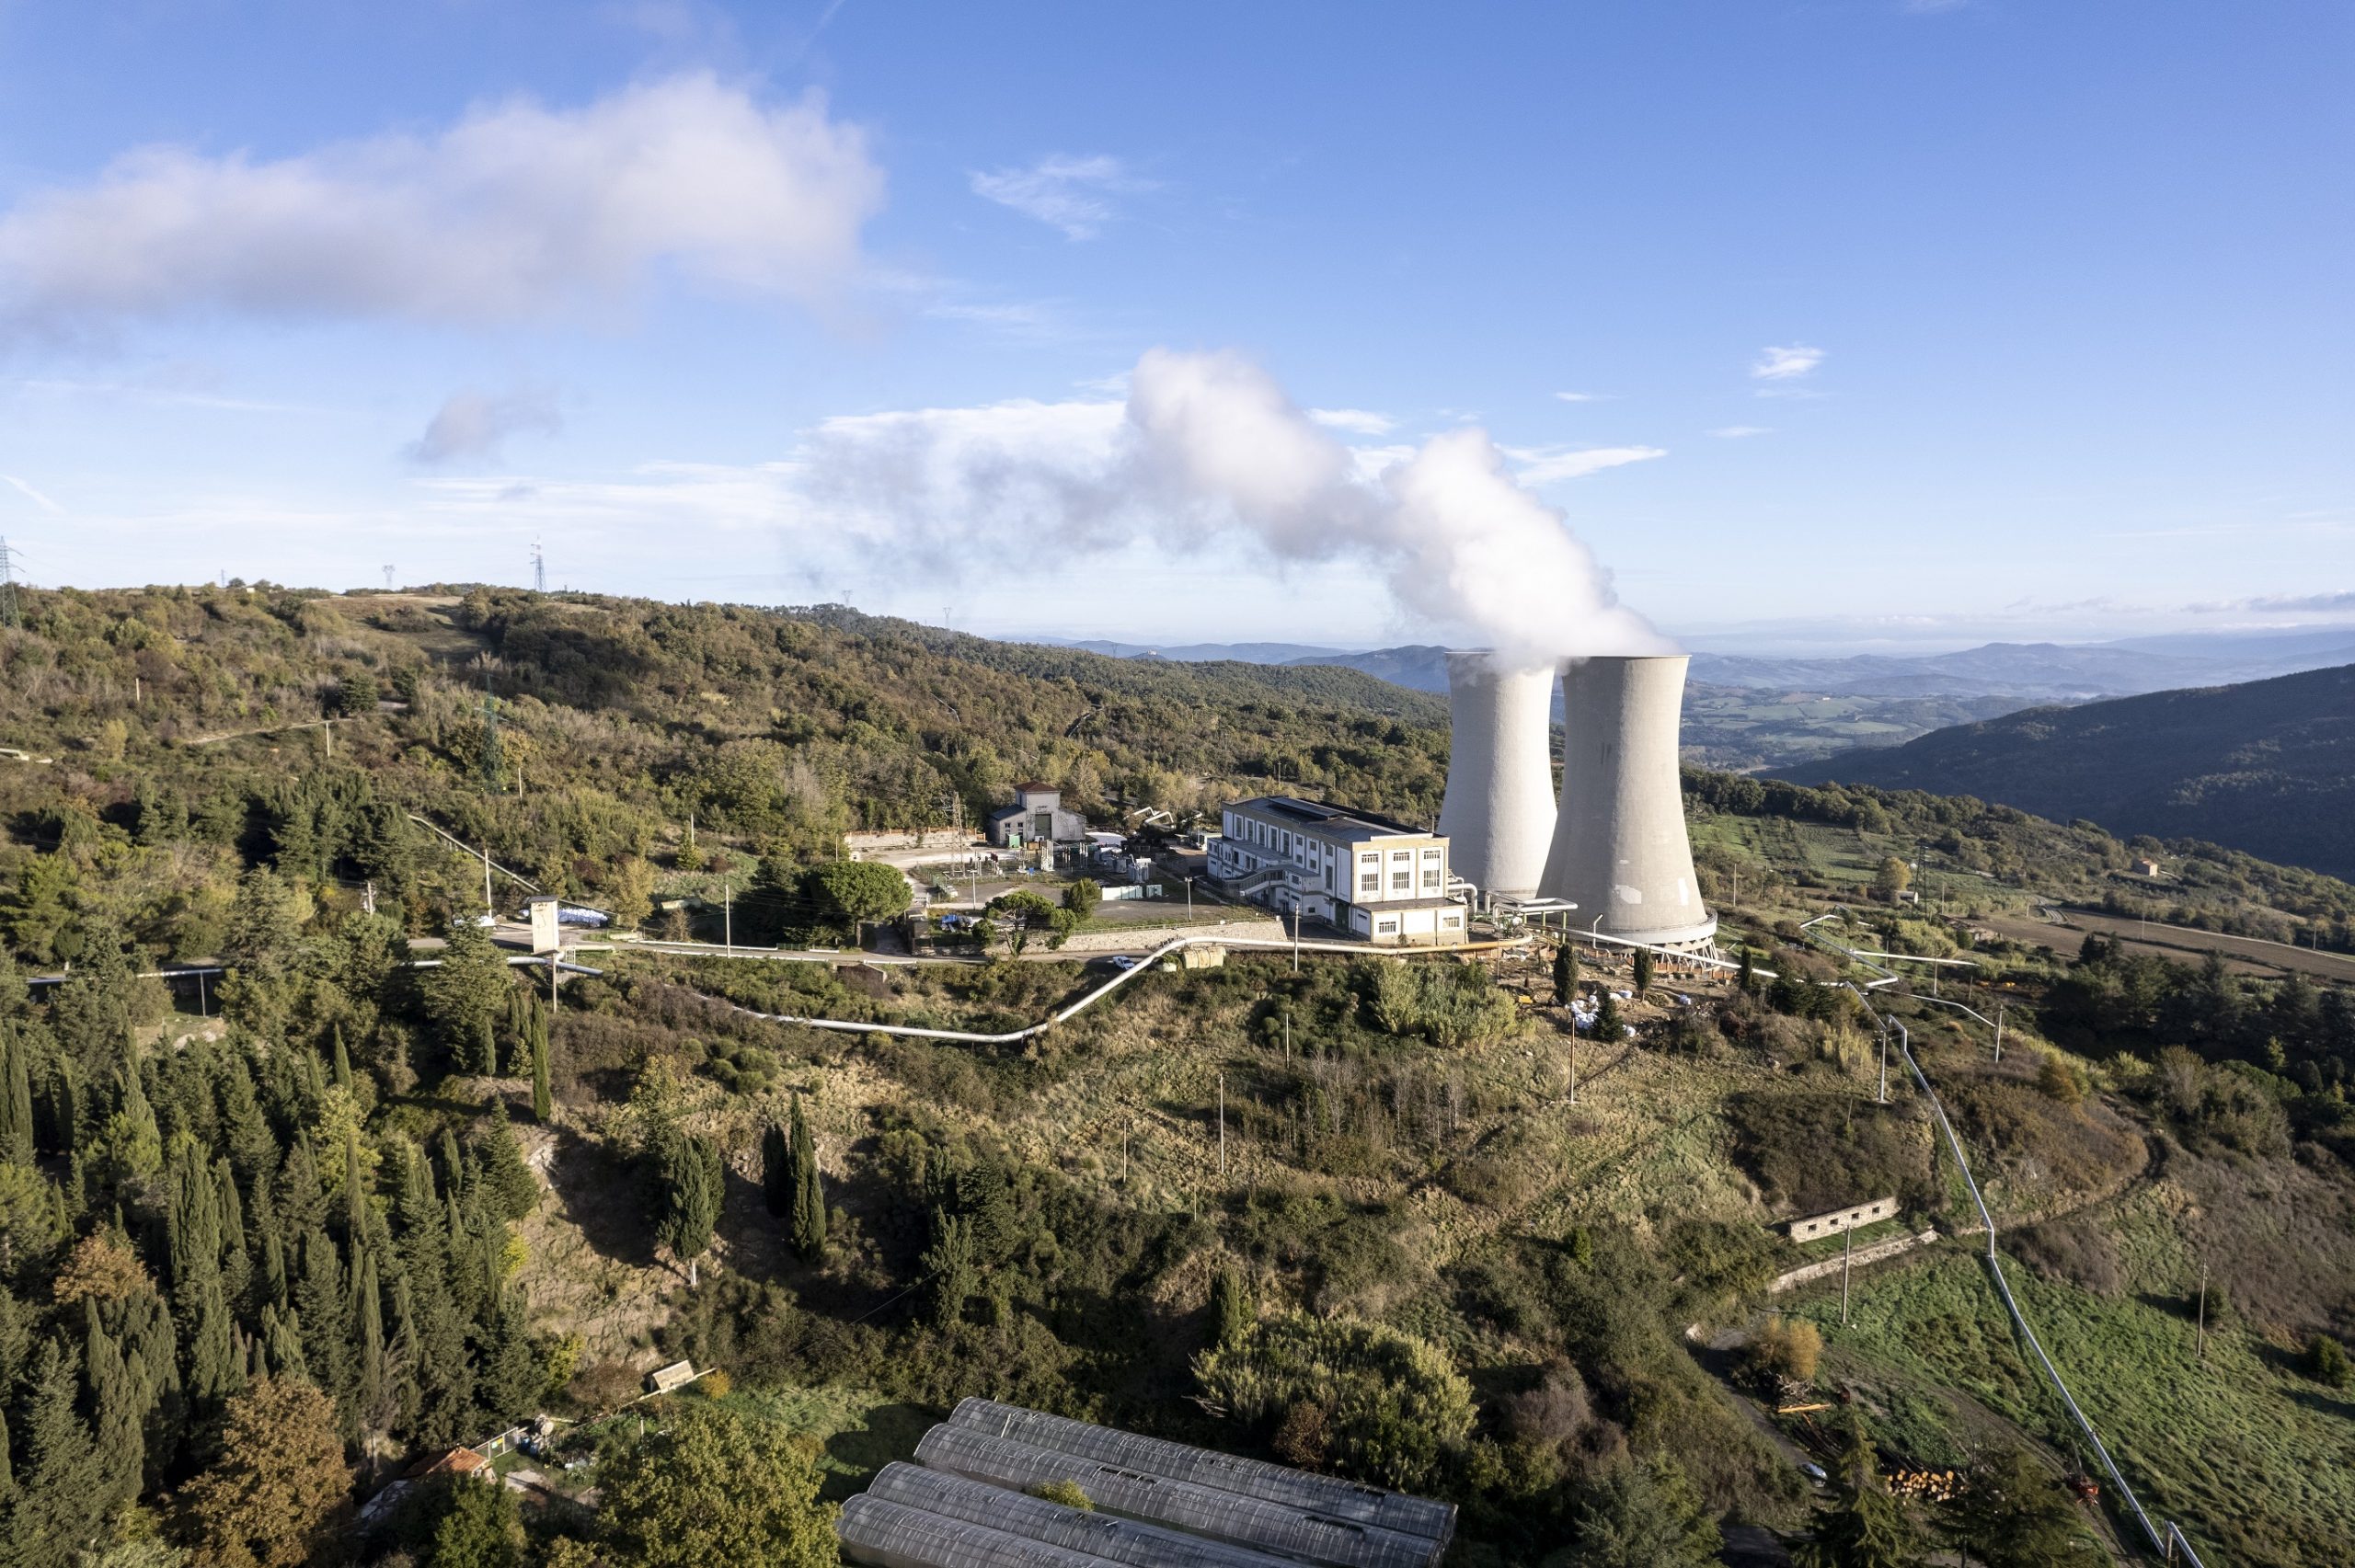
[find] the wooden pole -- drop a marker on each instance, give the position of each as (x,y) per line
(1221,1124)
(1847,1257)
(2203,1313)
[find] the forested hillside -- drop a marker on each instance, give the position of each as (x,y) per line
(272,1239)
(2268,767)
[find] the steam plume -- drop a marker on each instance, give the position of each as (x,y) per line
(1210,441)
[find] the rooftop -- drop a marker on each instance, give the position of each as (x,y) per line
(1328,820)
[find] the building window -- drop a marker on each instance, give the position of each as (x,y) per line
(1402,854)
(1431,855)
(1452,922)
(1387,928)
(1402,882)
(1430,878)
(1369,883)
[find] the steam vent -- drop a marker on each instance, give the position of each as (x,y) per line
(1498,814)
(1620,851)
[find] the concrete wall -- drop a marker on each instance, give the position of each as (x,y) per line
(1832,1223)
(930,839)
(1129,939)
(1499,811)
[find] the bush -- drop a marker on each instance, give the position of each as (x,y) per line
(1393,1406)
(1783,1350)
(2326,1362)
(1081,897)
(1067,1493)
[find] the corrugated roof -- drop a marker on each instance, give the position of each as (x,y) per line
(1159,1497)
(890,1535)
(1326,1495)
(1113,1539)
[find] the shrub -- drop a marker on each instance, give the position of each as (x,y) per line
(2326,1362)
(1783,1350)
(1394,1406)
(1066,1493)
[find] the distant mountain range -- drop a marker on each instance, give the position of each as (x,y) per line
(1746,712)
(2265,766)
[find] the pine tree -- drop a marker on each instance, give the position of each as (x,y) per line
(809,1193)
(1232,1313)
(1566,974)
(1860,1525)
(948,1266)
(59,1502)
(2012,1514)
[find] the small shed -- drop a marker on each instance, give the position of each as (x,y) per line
(666,1380)
(1809,1226)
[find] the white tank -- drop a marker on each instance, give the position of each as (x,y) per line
(1620,851)
(1498,814)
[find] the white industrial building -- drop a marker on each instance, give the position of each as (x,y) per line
(1366,875)
(1037,817)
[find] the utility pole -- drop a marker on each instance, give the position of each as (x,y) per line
(1190,900)
(552,985)
(539,569)
(368,899)
(2203,1313)
(728,914)
(1884,1064)
(9,611)
(1295,938)
(1574,1059)
(1847,1258)
(487,908)
(1999,1033)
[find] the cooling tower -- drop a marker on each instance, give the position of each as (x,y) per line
(1499,811)
(1619,849)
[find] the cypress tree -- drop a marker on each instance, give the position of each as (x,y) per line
(809,1195)
(542,1100)
(253,1148)
(237,1262)
(118,1394)
(7,1471)
(302,1200)
(215,1370)
(776,1169)
(274,1268)
(17,1102)
(343,1062)
(281,1341)
(321,1304)
(1566,974)
(368,1314)
(1642,970)
(1746,980)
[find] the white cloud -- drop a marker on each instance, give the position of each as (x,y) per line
(513,212)
(1552,464)
(475,424)
(1788,363)
(1063,192)
(2340,602)
(1586,396)
(1740,432)
(32,494)
(1356,421)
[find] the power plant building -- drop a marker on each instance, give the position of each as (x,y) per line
(972,1500)
(1373,877)
(1499,811)
(1620,849)
(1037,817)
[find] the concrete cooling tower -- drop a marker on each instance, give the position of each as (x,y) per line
(1619,849)
(1498,814)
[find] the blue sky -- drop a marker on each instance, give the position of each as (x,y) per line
(1881,322)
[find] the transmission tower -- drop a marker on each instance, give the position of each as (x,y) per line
(388,580)
(539,569)
(490,760)
(9,611)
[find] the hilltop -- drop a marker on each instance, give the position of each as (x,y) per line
(2268,766)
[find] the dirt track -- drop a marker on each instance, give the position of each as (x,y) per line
(2245,955)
